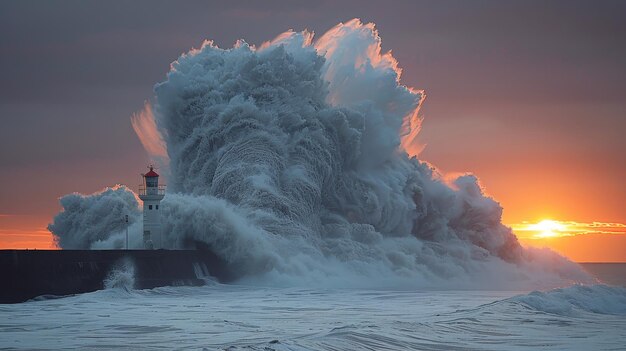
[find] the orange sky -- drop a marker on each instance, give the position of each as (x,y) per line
(581,242)
(25,232)
(543,181)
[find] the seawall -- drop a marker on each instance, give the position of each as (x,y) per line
(26,274)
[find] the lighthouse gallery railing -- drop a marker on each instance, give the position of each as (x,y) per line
(143,190)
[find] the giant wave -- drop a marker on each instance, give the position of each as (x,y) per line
(290,162)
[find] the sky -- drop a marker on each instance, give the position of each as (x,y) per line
(527,95)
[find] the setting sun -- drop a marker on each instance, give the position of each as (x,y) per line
(580,241)
(548,228)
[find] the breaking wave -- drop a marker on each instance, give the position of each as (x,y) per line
(87,221)
(122,276)
(295,163)
(600,299)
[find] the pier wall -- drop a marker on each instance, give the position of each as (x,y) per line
(26,274)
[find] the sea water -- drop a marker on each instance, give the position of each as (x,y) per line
(235,317)
(608,273)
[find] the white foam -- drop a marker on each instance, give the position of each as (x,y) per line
(566,301)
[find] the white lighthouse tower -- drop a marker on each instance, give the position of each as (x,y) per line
(151,193)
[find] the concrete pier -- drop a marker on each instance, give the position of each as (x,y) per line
(26,274)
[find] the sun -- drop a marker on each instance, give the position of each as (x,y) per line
(547,228)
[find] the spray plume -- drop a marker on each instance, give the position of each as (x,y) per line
(86,220)
(290,162)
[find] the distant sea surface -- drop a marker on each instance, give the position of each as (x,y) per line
(607,273)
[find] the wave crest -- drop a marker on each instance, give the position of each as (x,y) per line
(600,299)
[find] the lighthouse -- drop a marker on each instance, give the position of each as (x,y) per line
(151,193)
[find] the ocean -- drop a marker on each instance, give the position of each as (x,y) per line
(608,273)
(235,317)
